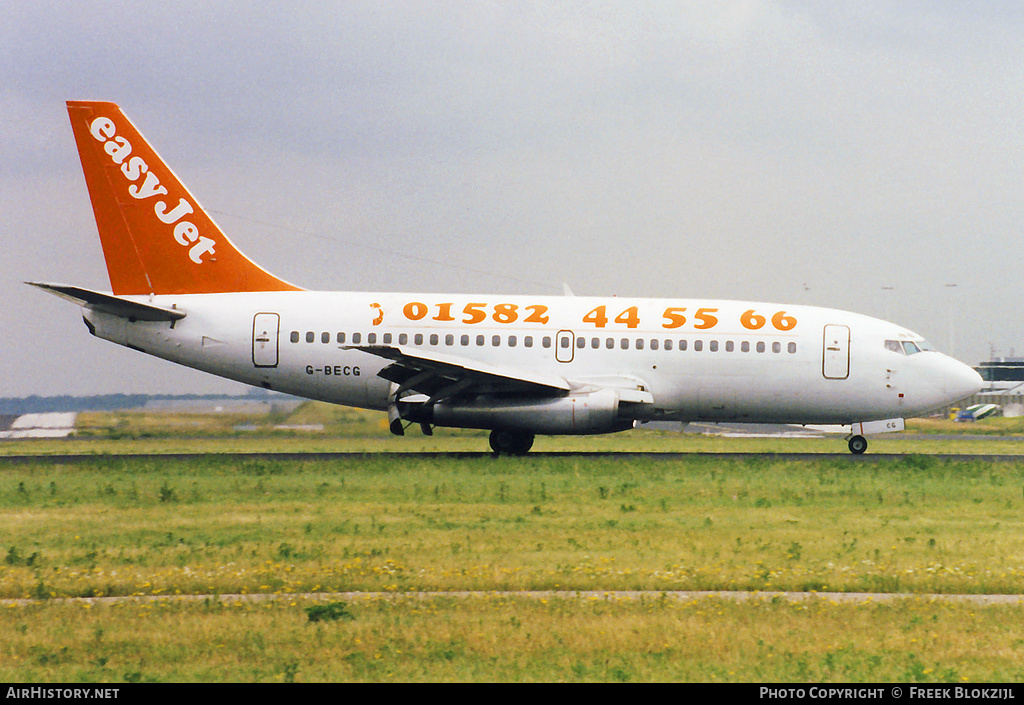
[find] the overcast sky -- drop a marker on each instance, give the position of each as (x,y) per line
(857,155)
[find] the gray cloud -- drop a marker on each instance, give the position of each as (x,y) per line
(784,151)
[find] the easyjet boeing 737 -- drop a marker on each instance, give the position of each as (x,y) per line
(516,365)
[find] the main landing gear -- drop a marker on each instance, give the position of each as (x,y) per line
(858,444)
(509,442)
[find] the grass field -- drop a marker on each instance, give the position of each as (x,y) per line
(117,526)
(510,639)
(221,525)
(342,429)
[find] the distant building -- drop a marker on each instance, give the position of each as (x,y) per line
(1004,384)
(1004,373)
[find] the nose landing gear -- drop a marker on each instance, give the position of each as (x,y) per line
(857,444)
(856,439)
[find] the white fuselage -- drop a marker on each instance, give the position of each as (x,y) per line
(699,359)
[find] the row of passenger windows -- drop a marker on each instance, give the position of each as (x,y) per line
(546,341)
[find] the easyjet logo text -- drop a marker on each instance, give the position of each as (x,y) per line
(145,184)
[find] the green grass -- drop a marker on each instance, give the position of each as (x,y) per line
(475,442)
(401,523)
(513,639)
(990,426)
(355,430)
(117,526)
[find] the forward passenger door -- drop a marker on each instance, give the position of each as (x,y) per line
(835,358)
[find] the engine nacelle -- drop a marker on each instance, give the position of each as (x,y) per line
(581,413)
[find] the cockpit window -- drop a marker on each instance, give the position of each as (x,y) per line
(907,347)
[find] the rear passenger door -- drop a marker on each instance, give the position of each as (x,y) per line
(265,330)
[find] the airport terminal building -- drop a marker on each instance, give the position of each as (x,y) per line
(1004,385)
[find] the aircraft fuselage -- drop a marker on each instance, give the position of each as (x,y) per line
(707,360)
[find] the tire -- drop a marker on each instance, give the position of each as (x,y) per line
(858,444)
(507,442)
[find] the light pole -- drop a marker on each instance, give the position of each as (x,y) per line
(952,319)
(888,303)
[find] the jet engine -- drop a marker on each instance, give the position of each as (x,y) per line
(575,413)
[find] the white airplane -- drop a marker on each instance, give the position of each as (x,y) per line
(516,365)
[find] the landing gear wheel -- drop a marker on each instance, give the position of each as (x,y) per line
(506,442)
(858,444)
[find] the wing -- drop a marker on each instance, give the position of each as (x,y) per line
(423,378)
(439,376)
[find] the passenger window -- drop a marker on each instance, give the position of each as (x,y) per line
(713,346)
(495,340)
(791,348)
(639,343)
(654,344)
(417,339)
(449,339)
(728,346)
(356,337)
(545,341)
(698,345)
(371,338)
(387,339)
(433,338)
(512,340)
(310,336)
(776,347)
(668,343)
(341,338)
(464,340)
(595,343)
(403,338)
(682,344)
(624,343)
(581,342)
(528,341)
(609,343)
(760,346)
(745,346)
(295,336)
(479,340)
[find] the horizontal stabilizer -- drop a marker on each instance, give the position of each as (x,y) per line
(113,305)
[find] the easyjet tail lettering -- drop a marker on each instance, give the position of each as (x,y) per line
(185,232)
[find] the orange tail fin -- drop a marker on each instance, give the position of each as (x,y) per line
(156,238)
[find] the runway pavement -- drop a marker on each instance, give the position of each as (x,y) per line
(869,457)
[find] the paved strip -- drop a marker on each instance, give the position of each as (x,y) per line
(85,458)
(855,598)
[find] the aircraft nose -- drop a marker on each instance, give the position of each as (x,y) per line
(961,381)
